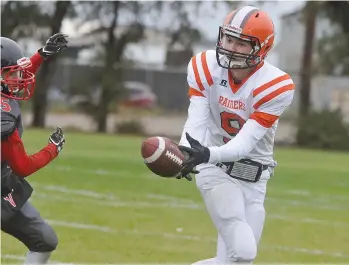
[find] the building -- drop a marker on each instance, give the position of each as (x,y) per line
(326,91)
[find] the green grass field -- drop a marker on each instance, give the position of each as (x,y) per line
(107,207)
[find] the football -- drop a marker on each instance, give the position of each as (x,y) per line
(162,156)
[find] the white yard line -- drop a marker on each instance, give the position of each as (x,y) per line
(312,166)
(120,173)
(285,202)
(22,258)
(181,206)
(86,193)
(97,195)
(171,202)
(102,172)
(307,220)
(117,204)
(311,252)
(162,197)
(150,176)
(109,230)
(307,204)
(14,257)
(306,193)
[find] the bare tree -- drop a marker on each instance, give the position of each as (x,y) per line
(114,39)
(40,96)
(21,19)
(310,13)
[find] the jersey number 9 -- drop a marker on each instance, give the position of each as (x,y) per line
(231,123)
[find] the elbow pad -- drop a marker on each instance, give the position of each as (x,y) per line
(8,125)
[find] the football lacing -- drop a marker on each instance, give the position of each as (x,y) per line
(174,158)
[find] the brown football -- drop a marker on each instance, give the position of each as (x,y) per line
(162,156)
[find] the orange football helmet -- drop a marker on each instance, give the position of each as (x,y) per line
(248,24)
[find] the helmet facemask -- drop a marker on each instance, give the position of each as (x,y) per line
(229,59)
(16,81)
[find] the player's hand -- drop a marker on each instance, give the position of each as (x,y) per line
(57,138)
(185,173)
(196,155)
(54,45)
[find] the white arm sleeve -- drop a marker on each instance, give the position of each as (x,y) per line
(241,145)
(199,108)
(196,124)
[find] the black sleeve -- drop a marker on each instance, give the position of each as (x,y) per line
(8,125)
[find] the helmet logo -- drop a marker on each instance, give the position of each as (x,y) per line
(24,62)
(235,28)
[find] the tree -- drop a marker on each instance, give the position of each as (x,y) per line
(34,20)
(182,37)
(21,19)
(310,13)
(333,48)
(183,31)
(114,39)
(40,96)
(334,52)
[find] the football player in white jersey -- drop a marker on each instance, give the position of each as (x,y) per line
(236,99)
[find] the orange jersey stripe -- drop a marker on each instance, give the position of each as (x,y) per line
(264,119)
(273,94)
(206,70)
(270,83)
(196,73)
(194,92)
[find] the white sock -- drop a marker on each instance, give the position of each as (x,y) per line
(37,258)
(211,261)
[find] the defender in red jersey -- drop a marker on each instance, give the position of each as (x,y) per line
(18,217)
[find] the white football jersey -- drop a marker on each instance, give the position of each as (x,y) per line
(262,96)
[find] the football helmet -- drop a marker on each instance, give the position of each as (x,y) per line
(16,81)
(249,25)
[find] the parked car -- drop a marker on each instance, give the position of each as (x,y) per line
(137,94)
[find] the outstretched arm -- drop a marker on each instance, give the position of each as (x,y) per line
(23,165)
(13,151)
(252,131)
(54,45)
(36,61)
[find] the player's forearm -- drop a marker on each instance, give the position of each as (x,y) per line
(196,124)
(23,165)
(241,145)
(36,61)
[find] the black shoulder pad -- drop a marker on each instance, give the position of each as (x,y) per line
(8,125)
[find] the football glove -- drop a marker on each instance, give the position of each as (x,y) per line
(54,45)
(196,154)
(185,173)
(57,138)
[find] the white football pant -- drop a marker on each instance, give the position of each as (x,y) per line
(237,211)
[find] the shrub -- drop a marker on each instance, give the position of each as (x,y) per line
(323,129)
(130,127)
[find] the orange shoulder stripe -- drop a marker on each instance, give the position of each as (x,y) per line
(270,83)
(196,73)
(194,92)
(264,119)
(273,94)
(206,70)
